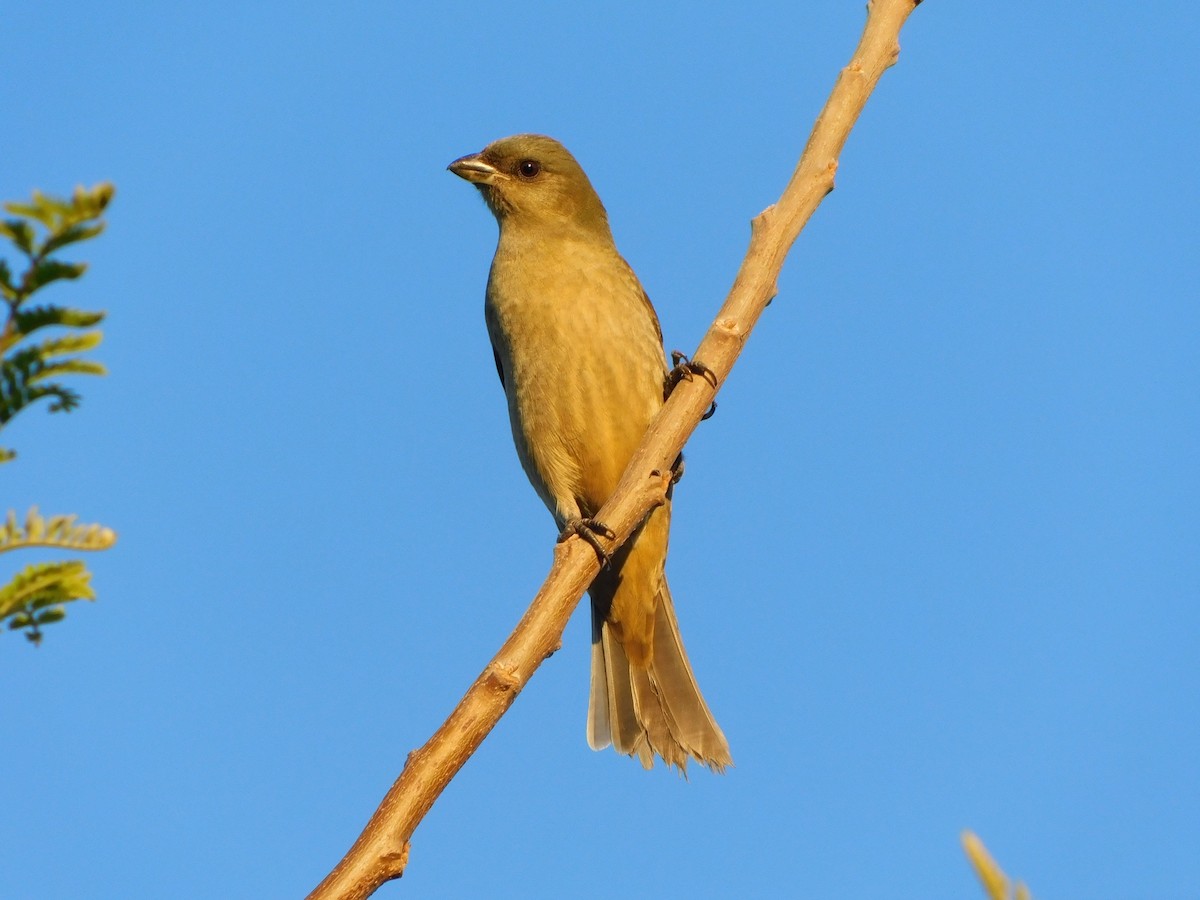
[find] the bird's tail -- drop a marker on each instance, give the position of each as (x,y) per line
(656,709)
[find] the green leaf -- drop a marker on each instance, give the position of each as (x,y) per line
(73,367)
(36,210)
(15,398)
(35,597)
(44,208)
(42,584)
(20,233)
(91,202)
(55,531)
(71,235)
(24,372)
(70,343)
(7,455)
(30,320)
(65,399)
(51,270)
(42,601)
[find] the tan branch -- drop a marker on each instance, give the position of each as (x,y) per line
(381,852)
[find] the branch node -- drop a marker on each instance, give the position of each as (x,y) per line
(503,677)
(660,483)
(729,326)
(395,862)
(761,221)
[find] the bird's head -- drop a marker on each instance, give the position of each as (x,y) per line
(532,179)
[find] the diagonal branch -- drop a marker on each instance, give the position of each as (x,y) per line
(381,852)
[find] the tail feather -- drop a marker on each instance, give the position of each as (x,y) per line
(692,723)
(599,731)
(656,709)
(612,713)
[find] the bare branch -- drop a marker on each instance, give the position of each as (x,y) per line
(381,852)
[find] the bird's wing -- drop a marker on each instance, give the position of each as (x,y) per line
(653,315)
(493,331)
(499,365)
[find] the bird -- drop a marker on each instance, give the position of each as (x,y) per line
(579,351)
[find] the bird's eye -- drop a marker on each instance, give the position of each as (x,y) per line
(529,168)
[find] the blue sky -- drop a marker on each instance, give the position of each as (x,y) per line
(935,556)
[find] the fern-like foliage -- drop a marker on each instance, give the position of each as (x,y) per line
(35,597)
(32,318)
(24,374)
(56,531)
(28,372)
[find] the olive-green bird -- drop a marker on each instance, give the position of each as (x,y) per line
(579,351)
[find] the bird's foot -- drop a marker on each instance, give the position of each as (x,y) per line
(588,529)
(685,370)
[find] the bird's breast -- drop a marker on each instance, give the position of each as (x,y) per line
(583,365)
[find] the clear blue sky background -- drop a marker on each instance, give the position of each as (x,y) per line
(935,557)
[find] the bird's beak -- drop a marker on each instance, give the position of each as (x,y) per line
(474,169)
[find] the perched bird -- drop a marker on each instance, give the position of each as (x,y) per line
(579,351)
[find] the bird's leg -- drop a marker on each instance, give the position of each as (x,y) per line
(588,529)
(685,370)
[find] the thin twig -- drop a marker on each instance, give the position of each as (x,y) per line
(381,851)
